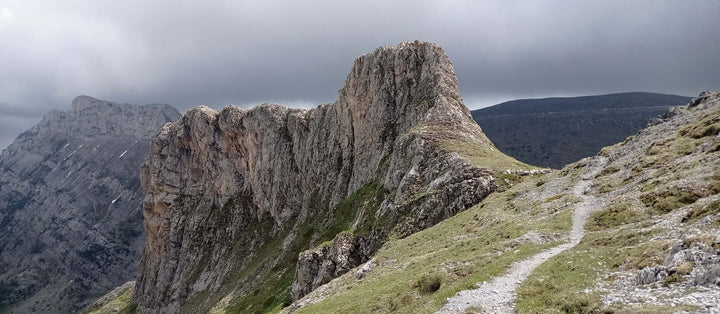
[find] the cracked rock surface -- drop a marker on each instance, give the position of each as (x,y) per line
(224,189)
(70,214)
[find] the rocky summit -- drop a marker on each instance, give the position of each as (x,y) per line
(70,214)
(392,199)
(248,210)
(633,229)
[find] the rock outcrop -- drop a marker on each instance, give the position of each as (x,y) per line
(233,197)
(638,227)
(70,204)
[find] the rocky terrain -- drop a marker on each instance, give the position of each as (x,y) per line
(70,204)
(634,229)
(553,132)
(392,199)
(246,211)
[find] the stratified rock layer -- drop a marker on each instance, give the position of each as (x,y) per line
(233,196)
(70,214)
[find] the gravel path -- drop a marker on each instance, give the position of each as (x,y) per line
(498,296)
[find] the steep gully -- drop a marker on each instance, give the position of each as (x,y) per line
(498,295)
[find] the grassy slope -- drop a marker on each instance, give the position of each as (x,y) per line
(472,246)
(118,304)
(615,243)
(458,252)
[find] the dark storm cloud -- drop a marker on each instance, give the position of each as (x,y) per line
(298,53)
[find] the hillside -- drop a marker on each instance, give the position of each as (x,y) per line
(633,229)
(70,214)
(392,199)
(553,132)
(247,211)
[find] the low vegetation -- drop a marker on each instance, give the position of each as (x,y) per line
(629,234)
(664,201)
(698,213)
(417,273)
(613,216)
(480,152)
(119,304)
(560,284)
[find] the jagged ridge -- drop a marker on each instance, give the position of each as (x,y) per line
(70,204)
(650,242)
(232,197)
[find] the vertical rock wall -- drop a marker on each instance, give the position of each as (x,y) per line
(233,196)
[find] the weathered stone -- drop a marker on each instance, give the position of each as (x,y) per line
(221,187)
(650,275)
(70,200)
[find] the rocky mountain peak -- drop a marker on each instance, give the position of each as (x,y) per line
(401,86)
(395,154)
(70,214)
(82,102)
(90,116)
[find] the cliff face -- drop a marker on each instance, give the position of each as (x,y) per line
(70,204)
(631,230)
(233,197)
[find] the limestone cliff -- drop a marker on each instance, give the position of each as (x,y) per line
(70,215)
(233,197)
(634,229)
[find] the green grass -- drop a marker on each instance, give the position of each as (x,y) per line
(650,309)
(669,199)
(701,212)
(558,285)
(418,273)
(709,125)
(120,304)
(484,155)
(613,216)
(479,151)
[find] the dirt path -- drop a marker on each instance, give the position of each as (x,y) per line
(498,296)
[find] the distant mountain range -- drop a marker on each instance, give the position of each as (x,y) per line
(552,132)
(70,204)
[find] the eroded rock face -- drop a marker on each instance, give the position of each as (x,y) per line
(70,214)
(233,196)
(318,266)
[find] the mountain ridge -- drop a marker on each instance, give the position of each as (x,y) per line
(575,103)
(649,242)
(308,193)
(552,132)
(69,204)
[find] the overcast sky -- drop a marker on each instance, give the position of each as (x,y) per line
(298,53)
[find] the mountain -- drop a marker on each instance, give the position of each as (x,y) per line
(247,211)
(70,204)
(392,199)
(553,132)
(633,229)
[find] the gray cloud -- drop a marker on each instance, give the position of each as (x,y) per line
(299,52)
